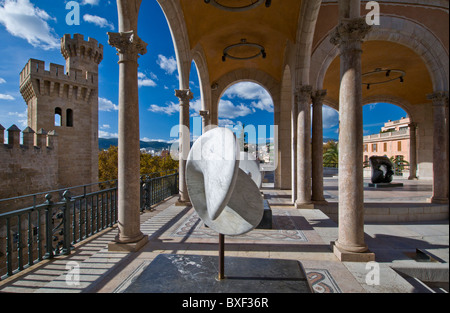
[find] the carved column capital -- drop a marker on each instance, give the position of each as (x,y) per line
(439,98)
(350,31)
(412,126)
(318,96)
(128,45)
(185,95)
(303,94)
(204,113)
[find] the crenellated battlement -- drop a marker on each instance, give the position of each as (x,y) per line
(36,80)
(28,167)
(38,140)
(76,46)
(57,72)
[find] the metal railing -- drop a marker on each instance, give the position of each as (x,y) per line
(156,187)
(51,227)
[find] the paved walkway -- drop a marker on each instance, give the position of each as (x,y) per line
(302,235)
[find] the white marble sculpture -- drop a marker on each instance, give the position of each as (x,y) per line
(250,166)
(223,195)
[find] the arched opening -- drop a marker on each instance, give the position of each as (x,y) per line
(69,118)
(196,106)
(387,132)
(248,110)
(58,117)
(330,124)
(284,120)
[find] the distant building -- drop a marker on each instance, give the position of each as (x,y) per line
(392,141)
(60,146)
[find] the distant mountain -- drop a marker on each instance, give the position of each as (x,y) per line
(104,143)
(326,139)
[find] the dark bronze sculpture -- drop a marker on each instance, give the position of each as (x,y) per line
(382,169)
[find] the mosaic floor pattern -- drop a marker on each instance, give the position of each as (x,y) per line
(320,280)
(285,228)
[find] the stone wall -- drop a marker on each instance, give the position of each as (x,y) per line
(29,167)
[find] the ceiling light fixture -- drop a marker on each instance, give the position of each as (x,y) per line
(253,4)
(243,43)
(397,75)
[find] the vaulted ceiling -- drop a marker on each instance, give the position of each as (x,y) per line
(215,29)
(387,55)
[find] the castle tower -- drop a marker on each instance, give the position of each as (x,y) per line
(67,102)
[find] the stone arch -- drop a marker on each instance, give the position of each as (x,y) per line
(283,173)
(403,104)
(252,75)
(177,25)
(199,59)
(394,29)
(304,38)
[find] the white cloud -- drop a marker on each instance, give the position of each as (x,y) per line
(22,19)
(107,135)
(224,122)
(167,64)
(99,21)
(91,2)
(251,91)
(330,117)
(107,105)
(2,81)
(6,97)
(146,139)
(169,109)
(143,80)
(105,126)
(22,118)
(230,111)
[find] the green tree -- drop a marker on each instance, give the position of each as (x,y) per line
(331,154)
(399,164)
(108,164)
(149,164)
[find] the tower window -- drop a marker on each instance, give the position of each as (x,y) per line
(58,115)
(69,117)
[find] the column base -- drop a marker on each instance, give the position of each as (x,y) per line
(413,178)
(347,256)
(116,246)
(304,205)
(183,203)
(437,200)
(320,202)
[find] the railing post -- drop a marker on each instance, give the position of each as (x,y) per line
(48,227)
(66,223)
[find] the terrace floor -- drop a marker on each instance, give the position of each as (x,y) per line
(298,234)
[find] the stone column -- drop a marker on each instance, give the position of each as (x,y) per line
(205,120)
(350,245)
(412,151)
(294,114)
(130,237)
(317,148)
(185,96)
(440,142)
(303,101)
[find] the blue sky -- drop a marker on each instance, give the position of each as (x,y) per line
(33,28)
